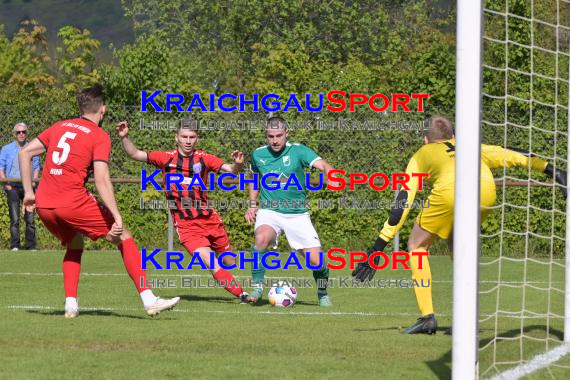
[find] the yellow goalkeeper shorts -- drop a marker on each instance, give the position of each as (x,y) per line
(438,218)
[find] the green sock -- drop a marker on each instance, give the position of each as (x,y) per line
(321,277)
(258,274)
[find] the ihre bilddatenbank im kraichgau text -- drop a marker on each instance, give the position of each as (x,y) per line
(272,182)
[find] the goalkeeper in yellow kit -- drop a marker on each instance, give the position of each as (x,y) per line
(437,157)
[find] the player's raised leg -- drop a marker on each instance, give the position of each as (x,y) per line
(222,276)
(208,238)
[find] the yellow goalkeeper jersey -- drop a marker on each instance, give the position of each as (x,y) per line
(438,159)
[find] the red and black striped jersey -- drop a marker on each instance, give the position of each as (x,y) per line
(198,162)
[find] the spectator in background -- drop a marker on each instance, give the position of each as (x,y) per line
(9,168)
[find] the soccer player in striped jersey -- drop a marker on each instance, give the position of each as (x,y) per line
(437,157)
(74,149)
(200,229)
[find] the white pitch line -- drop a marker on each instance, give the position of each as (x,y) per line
(289,311)
(538,362)
(284,312)
(338,313)
(155,275)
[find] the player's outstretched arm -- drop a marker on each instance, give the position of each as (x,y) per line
(34,148)
(323,166)
(237,165)
(496,157)
(129,147)
(363,270)
(106,192)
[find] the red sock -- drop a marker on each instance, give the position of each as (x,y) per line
(71,269)
(132,260)
(232,285)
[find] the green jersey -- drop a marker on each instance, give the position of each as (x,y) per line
(294,158)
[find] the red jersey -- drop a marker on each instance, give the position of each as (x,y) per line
(198,162)
(72,146)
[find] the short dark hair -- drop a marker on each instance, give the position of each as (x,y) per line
(187,124)
(274,122)
(440,128)
(90,99)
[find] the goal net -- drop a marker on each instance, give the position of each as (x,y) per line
(522,264)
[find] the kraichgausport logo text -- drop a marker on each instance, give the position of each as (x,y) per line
(272,102)
(338,258)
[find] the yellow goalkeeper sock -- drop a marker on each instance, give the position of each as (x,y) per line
(423,277)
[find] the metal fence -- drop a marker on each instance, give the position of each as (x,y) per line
(363,141)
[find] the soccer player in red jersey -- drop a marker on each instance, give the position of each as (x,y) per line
(75,149)
(200,229)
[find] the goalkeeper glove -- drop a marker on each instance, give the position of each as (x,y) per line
(559,176)
(363,270)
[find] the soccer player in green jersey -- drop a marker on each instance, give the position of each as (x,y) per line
(291,217)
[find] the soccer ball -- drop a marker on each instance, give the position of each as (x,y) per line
(282,295)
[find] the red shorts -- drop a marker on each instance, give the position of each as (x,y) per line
(92,219)
(203,232)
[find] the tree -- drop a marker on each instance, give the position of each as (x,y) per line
(76,58)
(23,63)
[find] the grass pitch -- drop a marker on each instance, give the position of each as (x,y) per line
(210,335)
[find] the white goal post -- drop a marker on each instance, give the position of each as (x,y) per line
(467,155)
(540,29)
(567,253)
